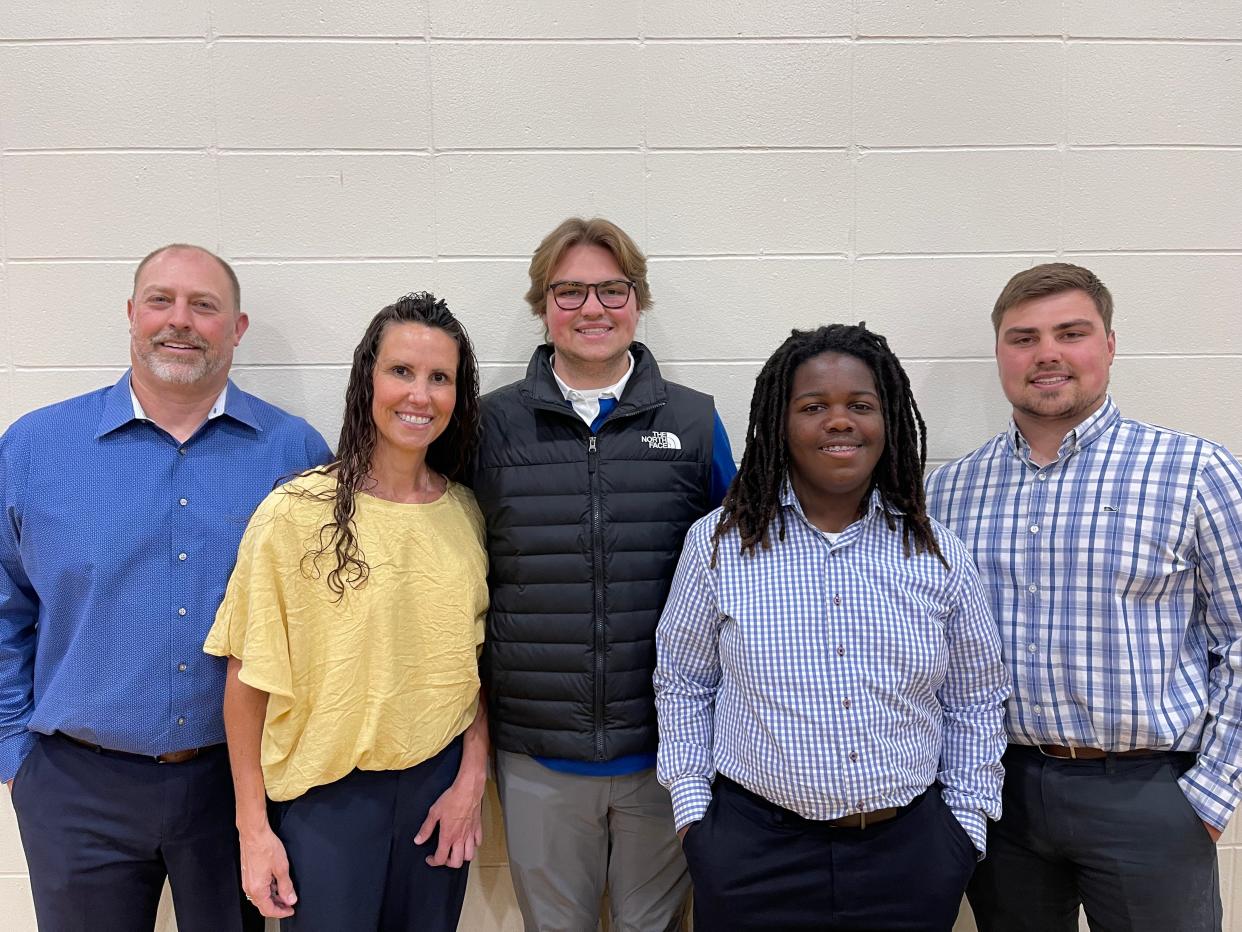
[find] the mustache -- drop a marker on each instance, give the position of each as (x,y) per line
(178,336)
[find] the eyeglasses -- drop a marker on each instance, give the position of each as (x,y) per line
(569,296)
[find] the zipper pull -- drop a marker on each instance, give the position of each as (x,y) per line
(591,452)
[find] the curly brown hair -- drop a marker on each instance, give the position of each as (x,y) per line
(450,454)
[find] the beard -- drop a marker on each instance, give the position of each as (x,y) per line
(177,371)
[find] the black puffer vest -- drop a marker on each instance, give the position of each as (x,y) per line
(583,535)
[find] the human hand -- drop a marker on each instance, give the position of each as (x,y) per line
(459,813)
(265,874)
(1213,832)
(681,832)
(9,783)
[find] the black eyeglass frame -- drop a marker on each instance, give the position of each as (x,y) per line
(586,293)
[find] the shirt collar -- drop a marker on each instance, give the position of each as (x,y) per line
(1079,437)
(121,406)
(593,394)
(789,499)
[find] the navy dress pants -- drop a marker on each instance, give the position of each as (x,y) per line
(102,831)
(757,868)
(352,855)
(1116,835)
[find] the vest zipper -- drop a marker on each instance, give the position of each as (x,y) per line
(597,569)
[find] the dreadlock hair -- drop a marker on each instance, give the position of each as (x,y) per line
(753,500)
(449,454)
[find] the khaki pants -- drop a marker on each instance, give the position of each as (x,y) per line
(570,837)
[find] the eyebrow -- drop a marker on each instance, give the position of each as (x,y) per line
(201,293)
(1079,324)
(854,394)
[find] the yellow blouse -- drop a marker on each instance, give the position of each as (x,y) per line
(382,679)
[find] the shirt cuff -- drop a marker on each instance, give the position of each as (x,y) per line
(1213,801)
(976,825)
(691,796)
(13,752)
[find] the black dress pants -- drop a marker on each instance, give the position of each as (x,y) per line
(102,831)
(1116,835)
(756,866)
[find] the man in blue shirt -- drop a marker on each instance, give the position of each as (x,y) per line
(120,515)
(1110,551)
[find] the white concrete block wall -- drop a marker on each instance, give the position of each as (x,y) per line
(892,161)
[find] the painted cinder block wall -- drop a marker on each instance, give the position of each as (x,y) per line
(892,161)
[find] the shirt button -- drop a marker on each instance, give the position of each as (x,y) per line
(854,756)
(840,650)
(181,611)
(181,720)
(1039,710)
(181,556)
(1034,528)
(181,667)
(1032,588)
(1031,648)
(836,600)
(185,501)
(845,703)
(1043,477)
(181,450)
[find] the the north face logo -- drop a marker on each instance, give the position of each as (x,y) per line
(661,440)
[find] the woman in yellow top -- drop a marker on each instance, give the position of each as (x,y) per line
(352,625)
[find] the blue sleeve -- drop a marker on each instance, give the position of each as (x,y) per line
(318,451)
(18,613)
(723,469)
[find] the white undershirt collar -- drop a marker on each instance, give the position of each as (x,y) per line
(585,401)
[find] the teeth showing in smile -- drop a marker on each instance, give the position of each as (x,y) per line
(1051,379)
(840,448)
(593,331)
(416,419)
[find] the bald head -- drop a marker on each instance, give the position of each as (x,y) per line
(178,247)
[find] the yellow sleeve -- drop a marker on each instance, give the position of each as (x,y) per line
(251,623)
(477,525)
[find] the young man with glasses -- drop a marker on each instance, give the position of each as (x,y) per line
(590,471)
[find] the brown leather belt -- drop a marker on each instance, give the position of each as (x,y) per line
(853,820)
(863,819)
(1068,753)
(172,757)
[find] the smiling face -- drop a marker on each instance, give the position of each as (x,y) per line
(834,427)
(414,390)
(1053,355)
(591,342)
(183,319)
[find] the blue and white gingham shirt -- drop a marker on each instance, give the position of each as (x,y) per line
(830,678)
(1115,576)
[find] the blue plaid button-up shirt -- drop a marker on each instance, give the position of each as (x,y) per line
(1115,575)
(830,677)
(116,543)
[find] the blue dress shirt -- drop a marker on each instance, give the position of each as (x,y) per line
(1115,575)
(116,543)
(830,676)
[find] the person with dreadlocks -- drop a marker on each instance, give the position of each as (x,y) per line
(352,625)
(828,657)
